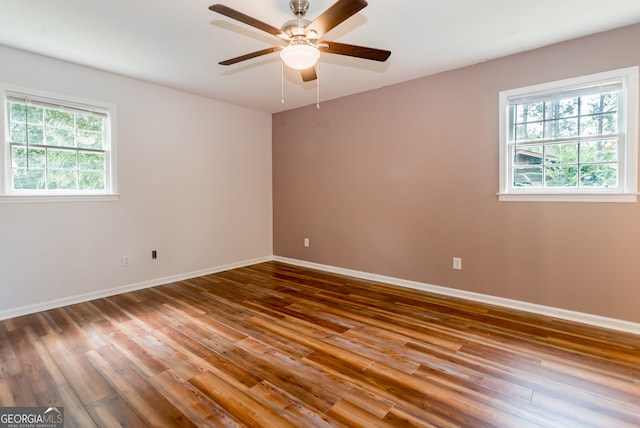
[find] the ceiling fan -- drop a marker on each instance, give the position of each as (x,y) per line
(303,37)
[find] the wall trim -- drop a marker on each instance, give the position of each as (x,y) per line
(581,317)
(80,298)
(565,314)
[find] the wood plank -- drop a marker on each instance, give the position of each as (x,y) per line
(143,361)
(399,417)
(113,411)
(244,407)
(9,364)
(85,380)
(470,372)
(18,391)
(6,395)
(292,376)
(75,413)
(353,416)
(146,401)
(35,363)
(295,333)
(582,415)
(205,354)
(298,412)
(199,408)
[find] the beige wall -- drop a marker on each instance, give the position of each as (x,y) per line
(398,181)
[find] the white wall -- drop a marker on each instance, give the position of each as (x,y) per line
(195,185)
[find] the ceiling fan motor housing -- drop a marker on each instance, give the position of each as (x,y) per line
(296,27)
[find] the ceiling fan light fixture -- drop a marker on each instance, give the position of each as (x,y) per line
(300,56)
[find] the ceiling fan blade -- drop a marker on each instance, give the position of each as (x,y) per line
(239,16)
(337,13)
(353,50)
(309,74)
(250,55)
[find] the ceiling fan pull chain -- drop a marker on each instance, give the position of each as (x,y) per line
(282,82)
(318,85)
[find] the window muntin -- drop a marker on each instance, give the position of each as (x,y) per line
(570,137)
(566,142)
(56,147)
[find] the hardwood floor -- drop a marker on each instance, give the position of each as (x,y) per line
(274,345)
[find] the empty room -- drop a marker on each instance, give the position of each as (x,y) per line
(319,213)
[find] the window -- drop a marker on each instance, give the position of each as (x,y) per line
(571,140)
(56,147)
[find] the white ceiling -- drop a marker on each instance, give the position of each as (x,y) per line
(178,43)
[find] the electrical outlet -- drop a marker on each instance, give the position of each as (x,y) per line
(306,242)
(457,263)
(126,261)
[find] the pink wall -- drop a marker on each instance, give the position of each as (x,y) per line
(399,180)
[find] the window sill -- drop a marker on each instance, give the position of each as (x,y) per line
(568,197)
(27,199)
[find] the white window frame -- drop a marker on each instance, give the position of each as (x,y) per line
(8,194)
(628,148)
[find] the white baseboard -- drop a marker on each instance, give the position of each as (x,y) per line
(595,320)
(72,300)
